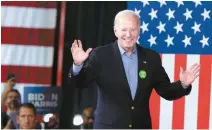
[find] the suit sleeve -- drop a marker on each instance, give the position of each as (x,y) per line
(163,86)
(89,71)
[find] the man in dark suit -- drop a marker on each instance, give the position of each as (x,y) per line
(126,74)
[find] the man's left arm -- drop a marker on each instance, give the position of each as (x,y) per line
(175,90)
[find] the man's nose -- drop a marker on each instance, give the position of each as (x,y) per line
(26,119)
(14,99)
(128,34)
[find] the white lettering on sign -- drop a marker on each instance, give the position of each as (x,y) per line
(45,104)
(42,100)
(54,96)
(38,97)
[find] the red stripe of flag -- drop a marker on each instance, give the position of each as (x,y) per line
(27,74)
(27,36)
(39,4)
(204,92)
(155,108)
(179,105)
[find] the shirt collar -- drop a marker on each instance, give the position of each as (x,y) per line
(122,51)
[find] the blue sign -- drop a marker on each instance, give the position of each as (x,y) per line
(45,99)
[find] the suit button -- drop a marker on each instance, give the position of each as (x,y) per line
(130,126)
(132,107)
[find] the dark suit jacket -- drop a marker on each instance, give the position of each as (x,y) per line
(115,107)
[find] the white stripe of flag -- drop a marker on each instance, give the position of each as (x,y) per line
(191,101)
(166,107)
(24,55)
(28,17)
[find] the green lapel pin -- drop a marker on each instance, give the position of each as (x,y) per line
(142,74)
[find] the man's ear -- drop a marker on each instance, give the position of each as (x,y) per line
(115,30)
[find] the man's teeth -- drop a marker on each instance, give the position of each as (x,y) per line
(127,39)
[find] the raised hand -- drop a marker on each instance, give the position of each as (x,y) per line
(10,84)
(78,54)
(187,77)
(9,124)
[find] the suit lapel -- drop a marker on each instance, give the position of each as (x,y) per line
(120,68)
(142,66)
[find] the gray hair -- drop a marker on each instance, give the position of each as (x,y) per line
(126,13)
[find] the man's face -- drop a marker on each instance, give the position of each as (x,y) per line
(13,99)
(127,31)
(26,118)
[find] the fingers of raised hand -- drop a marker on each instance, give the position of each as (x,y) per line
(8,123)
(181,71)
(79,43)
(191,67)
(11,79)
(88,50)
(76,45)
(73,45)
(194,69)
(196,75)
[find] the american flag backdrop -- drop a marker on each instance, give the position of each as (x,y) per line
(27,42)
(182,33)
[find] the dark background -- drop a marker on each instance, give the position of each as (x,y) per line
(92,23)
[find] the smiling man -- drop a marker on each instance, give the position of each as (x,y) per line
(126,74)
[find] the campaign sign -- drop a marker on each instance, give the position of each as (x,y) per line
(45,99)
